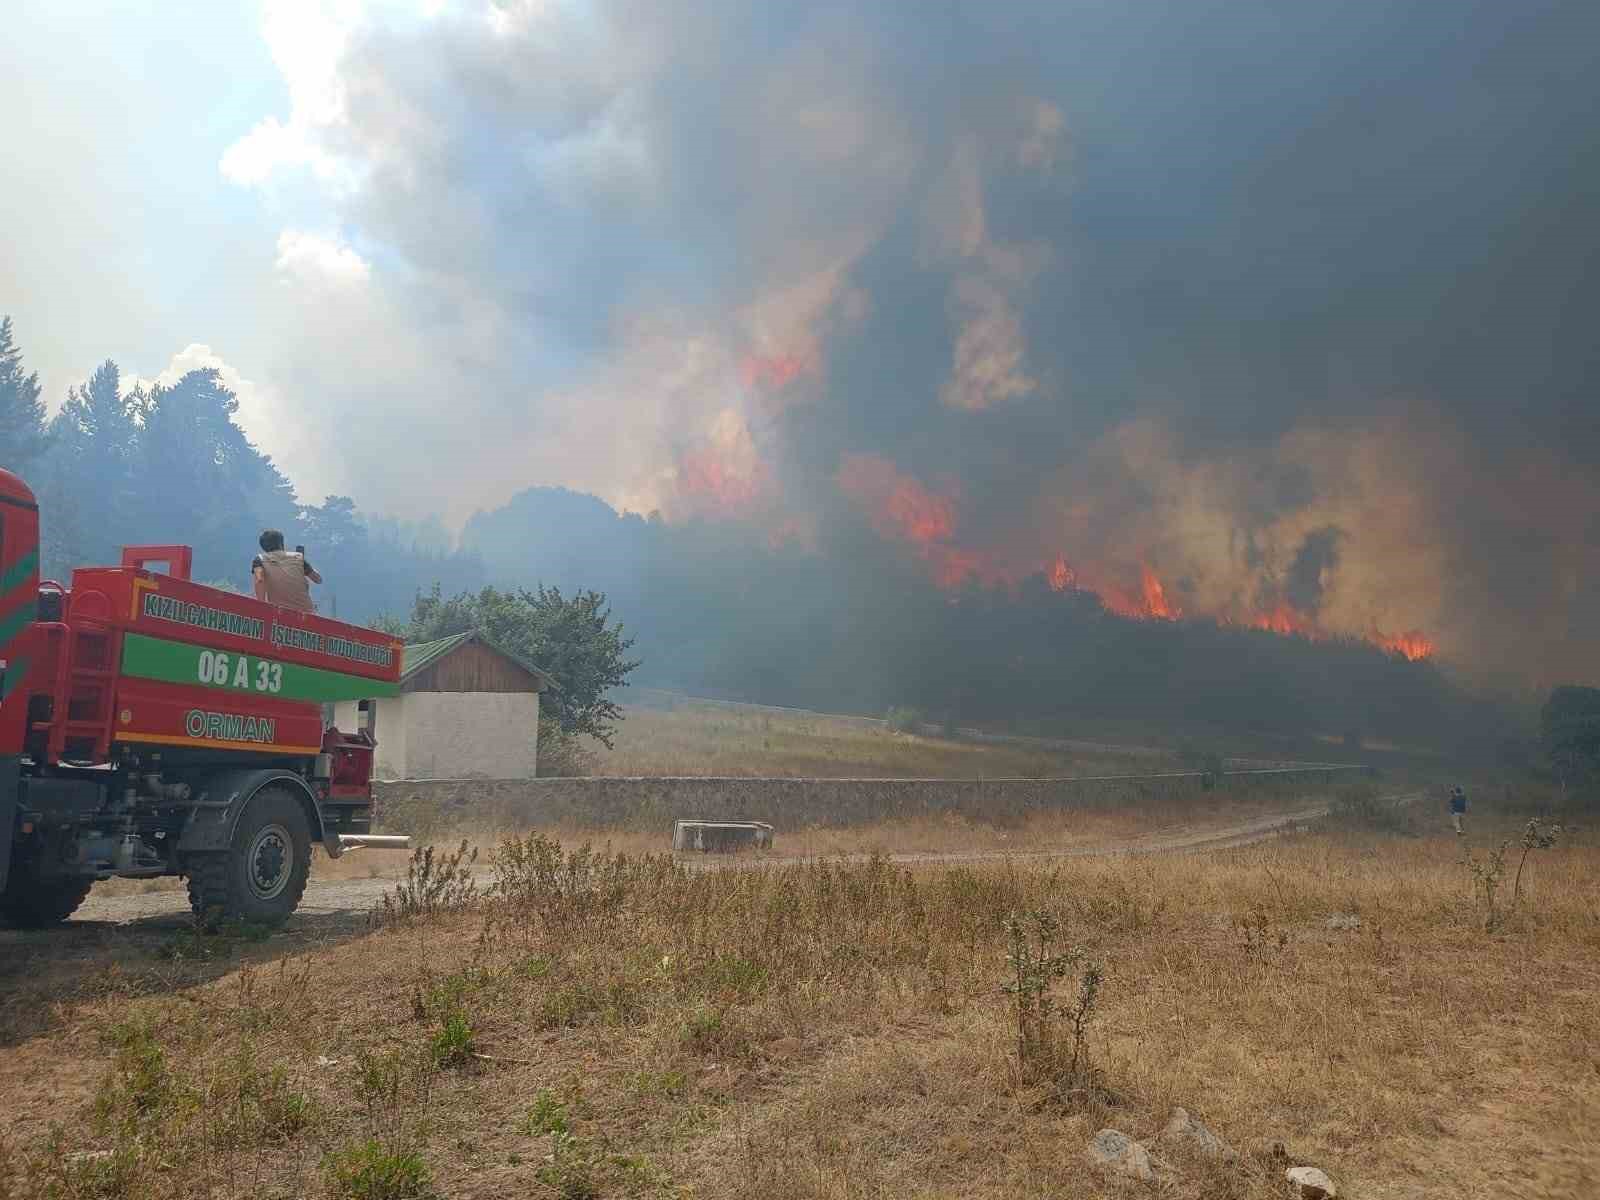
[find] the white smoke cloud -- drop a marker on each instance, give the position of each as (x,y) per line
(556,285)
(988,363)
(307,40)
(989,352)
(313,260)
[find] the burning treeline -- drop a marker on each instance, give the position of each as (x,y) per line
(727,479)
(791,568)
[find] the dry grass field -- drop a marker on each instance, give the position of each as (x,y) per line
(596,1026)
(686,737)
(1154,825)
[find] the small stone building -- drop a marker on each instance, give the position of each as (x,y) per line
(467,709)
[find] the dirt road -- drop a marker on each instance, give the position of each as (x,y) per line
(329,902)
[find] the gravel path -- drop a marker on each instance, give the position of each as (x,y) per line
(323,898)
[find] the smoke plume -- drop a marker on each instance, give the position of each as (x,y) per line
(1269,314)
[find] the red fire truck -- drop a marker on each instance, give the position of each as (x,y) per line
(153,726)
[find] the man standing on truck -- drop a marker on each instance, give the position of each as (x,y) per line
(281,575)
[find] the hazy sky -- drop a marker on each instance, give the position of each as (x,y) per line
(1275,296)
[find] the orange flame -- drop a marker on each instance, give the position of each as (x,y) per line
(898,505)
(1283,618)
(1155,596)
(902,508)
(1119,602)
(705,478)
(1149,604)
(1061,576)
(919,514)
(1413,645)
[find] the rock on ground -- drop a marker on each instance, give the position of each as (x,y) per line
(1308,1183)
(1184,1130)
(1116,1151)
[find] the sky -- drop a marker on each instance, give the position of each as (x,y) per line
(1288,303)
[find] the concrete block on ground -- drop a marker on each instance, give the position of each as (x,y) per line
(721,836)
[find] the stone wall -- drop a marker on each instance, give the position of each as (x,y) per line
(425,806)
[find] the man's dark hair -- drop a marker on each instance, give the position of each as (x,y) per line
(271,539)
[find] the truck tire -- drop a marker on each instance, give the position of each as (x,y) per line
(262,875)
(30,904)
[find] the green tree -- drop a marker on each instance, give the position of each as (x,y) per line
(89,469)
(571,637)
(1569,727)
(22,427)
(213,488)
(99,420)
(334,528)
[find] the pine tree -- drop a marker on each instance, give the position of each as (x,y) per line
(216,491)
(94,440)
(22,427)
(98,419)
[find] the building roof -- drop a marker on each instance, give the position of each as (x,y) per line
(418,657)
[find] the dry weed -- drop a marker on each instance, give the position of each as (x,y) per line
(613,1024)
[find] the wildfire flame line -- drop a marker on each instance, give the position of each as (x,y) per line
(903,510)
(704,476)
(1413,644)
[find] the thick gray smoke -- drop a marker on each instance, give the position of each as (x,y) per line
(1313,564)
(1288,302)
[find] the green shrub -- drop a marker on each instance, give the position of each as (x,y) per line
(703,1028)
(370,1171)
(548,1115)
(433,884)
(1052,1037)
(568,1169)
(562,754)
(453,1045)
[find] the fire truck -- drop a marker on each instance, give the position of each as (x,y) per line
(152,726)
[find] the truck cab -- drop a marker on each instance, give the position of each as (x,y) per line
(151,726)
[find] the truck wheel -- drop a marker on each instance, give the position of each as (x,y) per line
(29,904)
(262,875)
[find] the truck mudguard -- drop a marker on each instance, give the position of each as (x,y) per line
(211,825)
